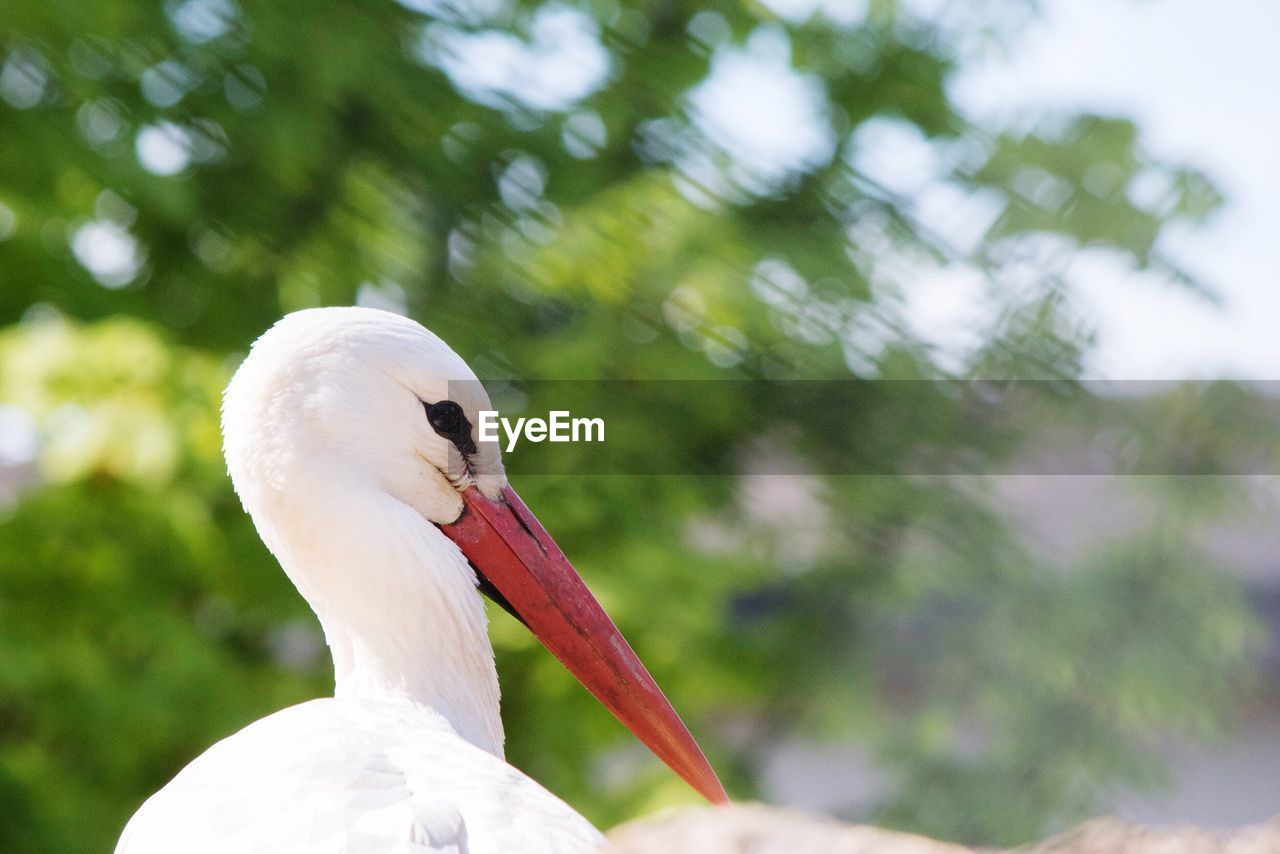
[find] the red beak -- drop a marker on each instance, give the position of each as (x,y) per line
(518,558)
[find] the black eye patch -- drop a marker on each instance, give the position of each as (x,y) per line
(450,421)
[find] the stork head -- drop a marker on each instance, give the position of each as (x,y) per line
(357,399)
(357,393)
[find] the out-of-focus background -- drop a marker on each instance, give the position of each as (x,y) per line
(591,189)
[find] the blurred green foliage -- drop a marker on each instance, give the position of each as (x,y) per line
(174,176)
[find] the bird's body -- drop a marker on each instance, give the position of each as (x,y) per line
(381,514)
(347,775)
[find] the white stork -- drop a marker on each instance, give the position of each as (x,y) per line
(348,436)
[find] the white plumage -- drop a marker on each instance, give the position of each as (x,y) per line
(331,454)
(346,775)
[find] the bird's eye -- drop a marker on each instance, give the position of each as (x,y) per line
(445,417)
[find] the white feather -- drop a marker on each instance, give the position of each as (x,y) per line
(342,775)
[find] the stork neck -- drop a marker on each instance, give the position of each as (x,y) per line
(401,613)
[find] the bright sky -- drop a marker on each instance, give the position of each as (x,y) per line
(1203,81)
(1200,79)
